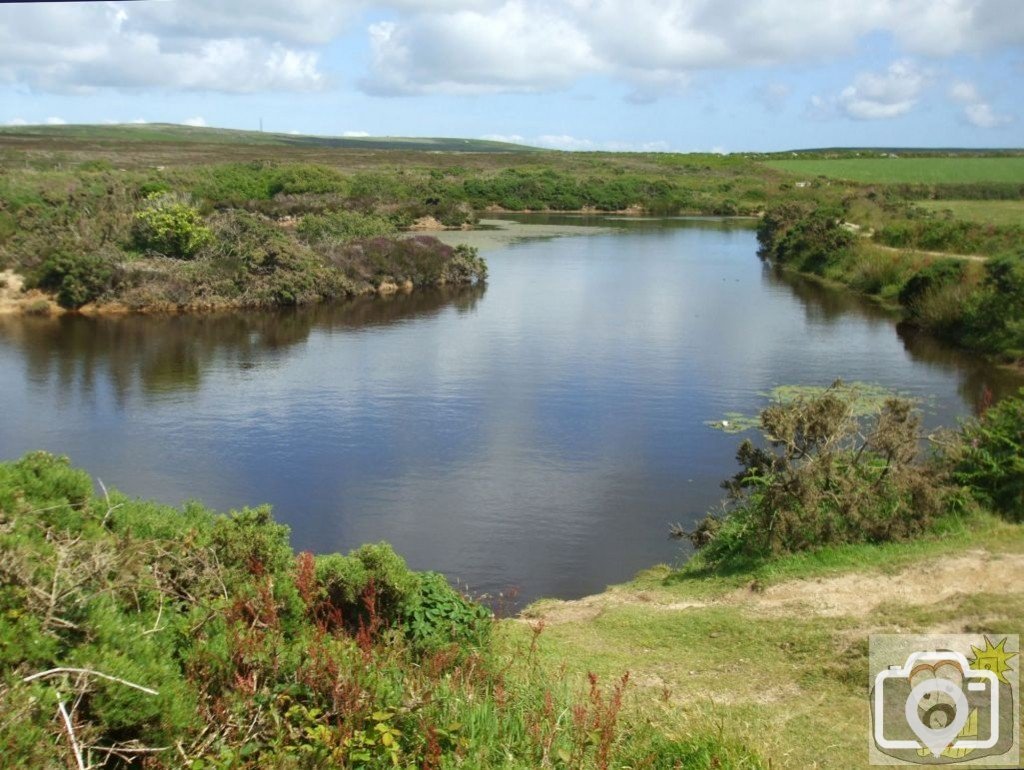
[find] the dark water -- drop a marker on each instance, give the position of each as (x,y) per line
(540,433)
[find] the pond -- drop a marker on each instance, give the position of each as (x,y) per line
(540,433)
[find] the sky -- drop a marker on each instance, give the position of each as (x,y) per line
(645,75)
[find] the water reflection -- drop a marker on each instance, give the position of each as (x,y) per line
(541,433)
(978,381)
(168,353)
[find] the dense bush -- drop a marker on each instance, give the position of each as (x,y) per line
(344,226)
(77,279)
(170,226)
(271,267)
(809,241)
(823,477)
(180,638)
(422,260)
(929,279)
(993,315)
(989,458)
(307,179)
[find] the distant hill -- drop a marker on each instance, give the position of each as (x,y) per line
(169,132)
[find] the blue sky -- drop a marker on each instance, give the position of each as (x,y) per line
(576,74)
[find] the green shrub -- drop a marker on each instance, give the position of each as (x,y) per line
(941,309)
(249,541)
(307,179)
(76,278)
(994,315)
(825,477)
(815,241)
(438,615)
(989,459)
(170,226)
(344,226)
(235,184)
(937,275)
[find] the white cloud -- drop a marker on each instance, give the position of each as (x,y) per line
(56,122)
(138,122)
(964,92)
(516,47)
(198,122)
(655,47)
(820,108)
(17,122)
(879,96)
(187,44)
(576,144)
(976,110)
(509,138)
(983,116)
(355,134)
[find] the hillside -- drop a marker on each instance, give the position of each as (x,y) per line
(168,132)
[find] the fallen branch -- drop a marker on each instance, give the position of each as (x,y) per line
(88,672)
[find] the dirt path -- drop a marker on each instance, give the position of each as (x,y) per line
(940,254)
(848,595)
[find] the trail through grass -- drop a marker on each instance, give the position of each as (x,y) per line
(776,658)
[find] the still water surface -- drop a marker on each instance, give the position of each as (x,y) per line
(541,432)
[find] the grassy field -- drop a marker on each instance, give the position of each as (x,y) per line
(984,212)
(908,170)
(776,660)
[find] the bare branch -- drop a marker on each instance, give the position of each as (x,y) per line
(88,672)
(71,736)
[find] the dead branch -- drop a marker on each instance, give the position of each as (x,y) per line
(88,672)
(71,736)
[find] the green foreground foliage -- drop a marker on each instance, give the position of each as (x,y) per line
(133,634)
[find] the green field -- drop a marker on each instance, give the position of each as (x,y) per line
(984,212)
(908,170)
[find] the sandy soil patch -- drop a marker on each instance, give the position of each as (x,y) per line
(14,298)
(849,595)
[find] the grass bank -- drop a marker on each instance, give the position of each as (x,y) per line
(775,657)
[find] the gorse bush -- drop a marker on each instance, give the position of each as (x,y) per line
(77,279)
(989,457)
(932,278)
(181,638)
(824,477)
(344,226)
(170,226)
(994,316)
